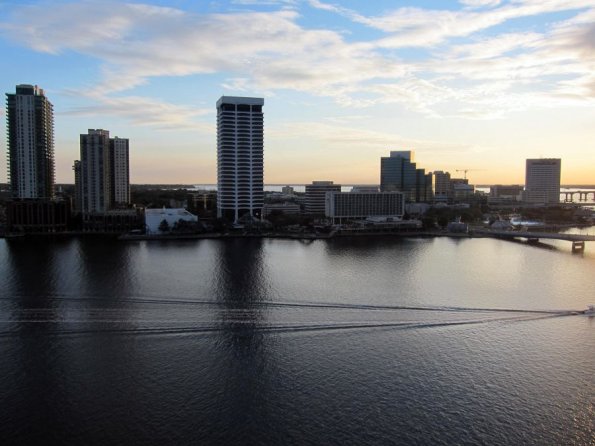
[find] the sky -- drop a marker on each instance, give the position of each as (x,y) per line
(476,85)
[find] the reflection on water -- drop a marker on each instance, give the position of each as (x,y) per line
(254,341)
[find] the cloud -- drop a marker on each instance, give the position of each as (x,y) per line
(145,112)
(480,3)
(265,52)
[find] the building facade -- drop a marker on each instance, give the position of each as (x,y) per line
(240,152)
(94,187)
(315,203)
(119,172)
(357,205)
(30,131)
(442,192)
(102,179)
(542,181)
(398,173)
(505,193)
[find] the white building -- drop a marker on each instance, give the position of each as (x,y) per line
(542,181)
(155,217)
(355,205)
(30,129)
(240,187)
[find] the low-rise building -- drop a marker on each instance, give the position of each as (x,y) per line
(154,219)
(505,193)
(285,208)
(316,196)
(30,216)
(355,205)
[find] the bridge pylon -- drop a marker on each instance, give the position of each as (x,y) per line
(578,246)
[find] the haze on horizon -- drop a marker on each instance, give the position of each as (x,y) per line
(469,84)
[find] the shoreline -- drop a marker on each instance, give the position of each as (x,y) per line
(216,235)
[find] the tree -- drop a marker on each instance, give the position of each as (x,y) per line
(164,226)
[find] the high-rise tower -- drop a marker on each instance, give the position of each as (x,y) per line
(240,188)
(399,173)
(120,172)
(94,187)
(542,180)
(30,127)
(102,176)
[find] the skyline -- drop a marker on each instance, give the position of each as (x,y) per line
(477,84)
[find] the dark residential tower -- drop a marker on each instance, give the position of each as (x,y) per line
(30,128)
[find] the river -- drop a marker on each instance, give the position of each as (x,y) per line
(262,341)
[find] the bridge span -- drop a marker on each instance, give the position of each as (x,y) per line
(578,240)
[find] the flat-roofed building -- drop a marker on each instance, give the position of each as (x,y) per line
(240,187)
(505,193)
(398,173)
(356,205)
(442,191)
(154,219)
(542,180)
(316,196)
(30,132)
(284,208)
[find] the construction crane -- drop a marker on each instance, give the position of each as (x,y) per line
(467,170)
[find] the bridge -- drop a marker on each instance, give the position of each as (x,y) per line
(583,195)
(578,240)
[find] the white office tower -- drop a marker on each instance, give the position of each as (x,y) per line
(30,131)
(240,188)
(542,181)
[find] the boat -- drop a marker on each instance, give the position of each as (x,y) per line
(590,311)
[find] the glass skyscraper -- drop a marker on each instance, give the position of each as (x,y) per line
(398,173)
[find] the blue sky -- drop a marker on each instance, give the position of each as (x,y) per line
(470,84)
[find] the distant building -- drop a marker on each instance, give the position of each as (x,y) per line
(240,187)
(398,173)
(116,221)
(542,181)
(442,191)
(364,189)
(505,193)
(37,216)
(287,190)
(202,203)
(155,217)
(461,190)
(316,196)
(359,205)
(30,131)
(284,208)
(119,172)
(102,178)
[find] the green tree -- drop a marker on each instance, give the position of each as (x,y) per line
(164,226)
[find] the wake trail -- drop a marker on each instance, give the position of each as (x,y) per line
(254,304)
(247,327)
